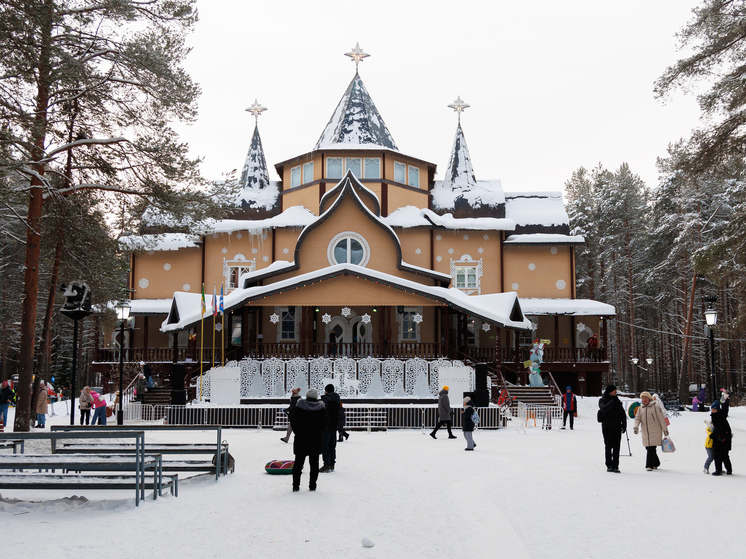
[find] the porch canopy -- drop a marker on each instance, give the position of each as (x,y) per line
(501,309)
(565,307)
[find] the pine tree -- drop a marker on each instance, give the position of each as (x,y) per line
(95,84)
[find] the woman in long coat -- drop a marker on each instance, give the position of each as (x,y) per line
(652,421)
(42,405)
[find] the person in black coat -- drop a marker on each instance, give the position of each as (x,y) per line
(341,425)
(329,449)
(294,397)
(467,423)
(721,438)
(613,424)
(309,422)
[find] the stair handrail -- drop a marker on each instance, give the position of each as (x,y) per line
(494,372)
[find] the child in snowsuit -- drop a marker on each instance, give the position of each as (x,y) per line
(708,446)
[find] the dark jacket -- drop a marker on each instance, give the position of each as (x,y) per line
(721,434)
(309,421)
(444,406)
(466,423)
(613,413)
(331,401)
(341,420)
(6,396)
(293,402)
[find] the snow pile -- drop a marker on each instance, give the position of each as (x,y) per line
(537,208)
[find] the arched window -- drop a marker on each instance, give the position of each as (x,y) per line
(348,248)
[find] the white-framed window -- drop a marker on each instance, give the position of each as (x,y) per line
(348,248)
(409,319)
(414,176)
(308,172)
(288,324)
(334,167)
(400,172)
(235,272)
(372,168)
(295,176)
(467,274)
(354,164)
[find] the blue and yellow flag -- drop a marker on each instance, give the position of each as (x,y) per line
(204,307)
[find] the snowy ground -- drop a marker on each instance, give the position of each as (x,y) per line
(540,494)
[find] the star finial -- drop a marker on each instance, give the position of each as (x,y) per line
(256,109)
(357,54)
(458,105)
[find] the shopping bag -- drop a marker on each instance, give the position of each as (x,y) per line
(667,445)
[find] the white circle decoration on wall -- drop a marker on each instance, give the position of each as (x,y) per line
(532,266)
(167,266)
(553,250)
(143,283)
(274,319)
(560,284)
(515,287)
(186,287)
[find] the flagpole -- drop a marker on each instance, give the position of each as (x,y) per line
(222,330)
(214,313)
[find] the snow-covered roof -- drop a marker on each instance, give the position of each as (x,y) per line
(536,208)
(483,193)
(295,216)
(497,308)
(544,239)
(459,175)
(569,307)
(149,306)
(356,122)
(159,242)
(412,216)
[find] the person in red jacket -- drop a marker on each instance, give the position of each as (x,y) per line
(569,407)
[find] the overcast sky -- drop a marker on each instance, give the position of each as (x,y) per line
(553,85)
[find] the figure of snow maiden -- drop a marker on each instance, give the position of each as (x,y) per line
(534,379)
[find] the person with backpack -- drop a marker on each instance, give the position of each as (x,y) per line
(613,422)
(469,421)
(569,407)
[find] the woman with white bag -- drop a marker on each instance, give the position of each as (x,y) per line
(652,421)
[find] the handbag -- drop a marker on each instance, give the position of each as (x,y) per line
(667,445)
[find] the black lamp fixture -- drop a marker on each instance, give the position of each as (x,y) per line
(123,314)
(711,318)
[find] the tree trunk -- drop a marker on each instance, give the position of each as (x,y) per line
(33,228)
(683,376)
(45,348)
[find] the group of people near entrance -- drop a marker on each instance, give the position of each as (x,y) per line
(316,423)
(651,423)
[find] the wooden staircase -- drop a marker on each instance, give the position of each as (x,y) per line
(538,395)
(158,396)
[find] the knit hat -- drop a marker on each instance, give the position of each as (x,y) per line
(569,388)
(467,400)
(647,395)
(445,388)
(609,389)
(296,390)
(312,394)
(715,406)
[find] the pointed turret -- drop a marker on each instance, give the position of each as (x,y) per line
(256,190)
(459,176)
(356,120)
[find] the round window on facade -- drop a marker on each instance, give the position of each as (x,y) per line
(348,248)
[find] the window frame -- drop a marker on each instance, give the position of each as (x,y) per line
(349,236)
(410,169)
(295,176)
(403,167)
(340,160)
(304,175)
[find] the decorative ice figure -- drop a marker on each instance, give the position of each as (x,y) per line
(375,389)
(421,388)
(302,383)
(534,379)
(256,390)
(537,352)
(278,389)
(399,391)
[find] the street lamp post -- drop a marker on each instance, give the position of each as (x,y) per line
(123,313)
(649,361)
(711,317)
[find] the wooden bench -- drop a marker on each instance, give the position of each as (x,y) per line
(219,464)
(134,461)
(15,444)
(75,481)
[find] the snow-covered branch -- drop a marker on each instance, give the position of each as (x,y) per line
(84,142)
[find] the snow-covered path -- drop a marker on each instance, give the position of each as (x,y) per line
(539,494)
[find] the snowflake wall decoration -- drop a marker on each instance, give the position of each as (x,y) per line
(218,327)
(326,319)
(480,250)
(450,251)
(532,266)
(274,319)
(366,318)
(254,250)
(486,327)
(224,250)
(560,284)
(439,258)
(167,266)
(265,258)
(438,237)
(554,250)
(515,287)
(418,251)
(239,235)
(285,250)
(143,283)
(580,327)
(417,318)
(186,287)
(486,237)
(466,237)
(346,312)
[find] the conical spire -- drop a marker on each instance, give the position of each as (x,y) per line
(459,176)
(254,175)
(356,121)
